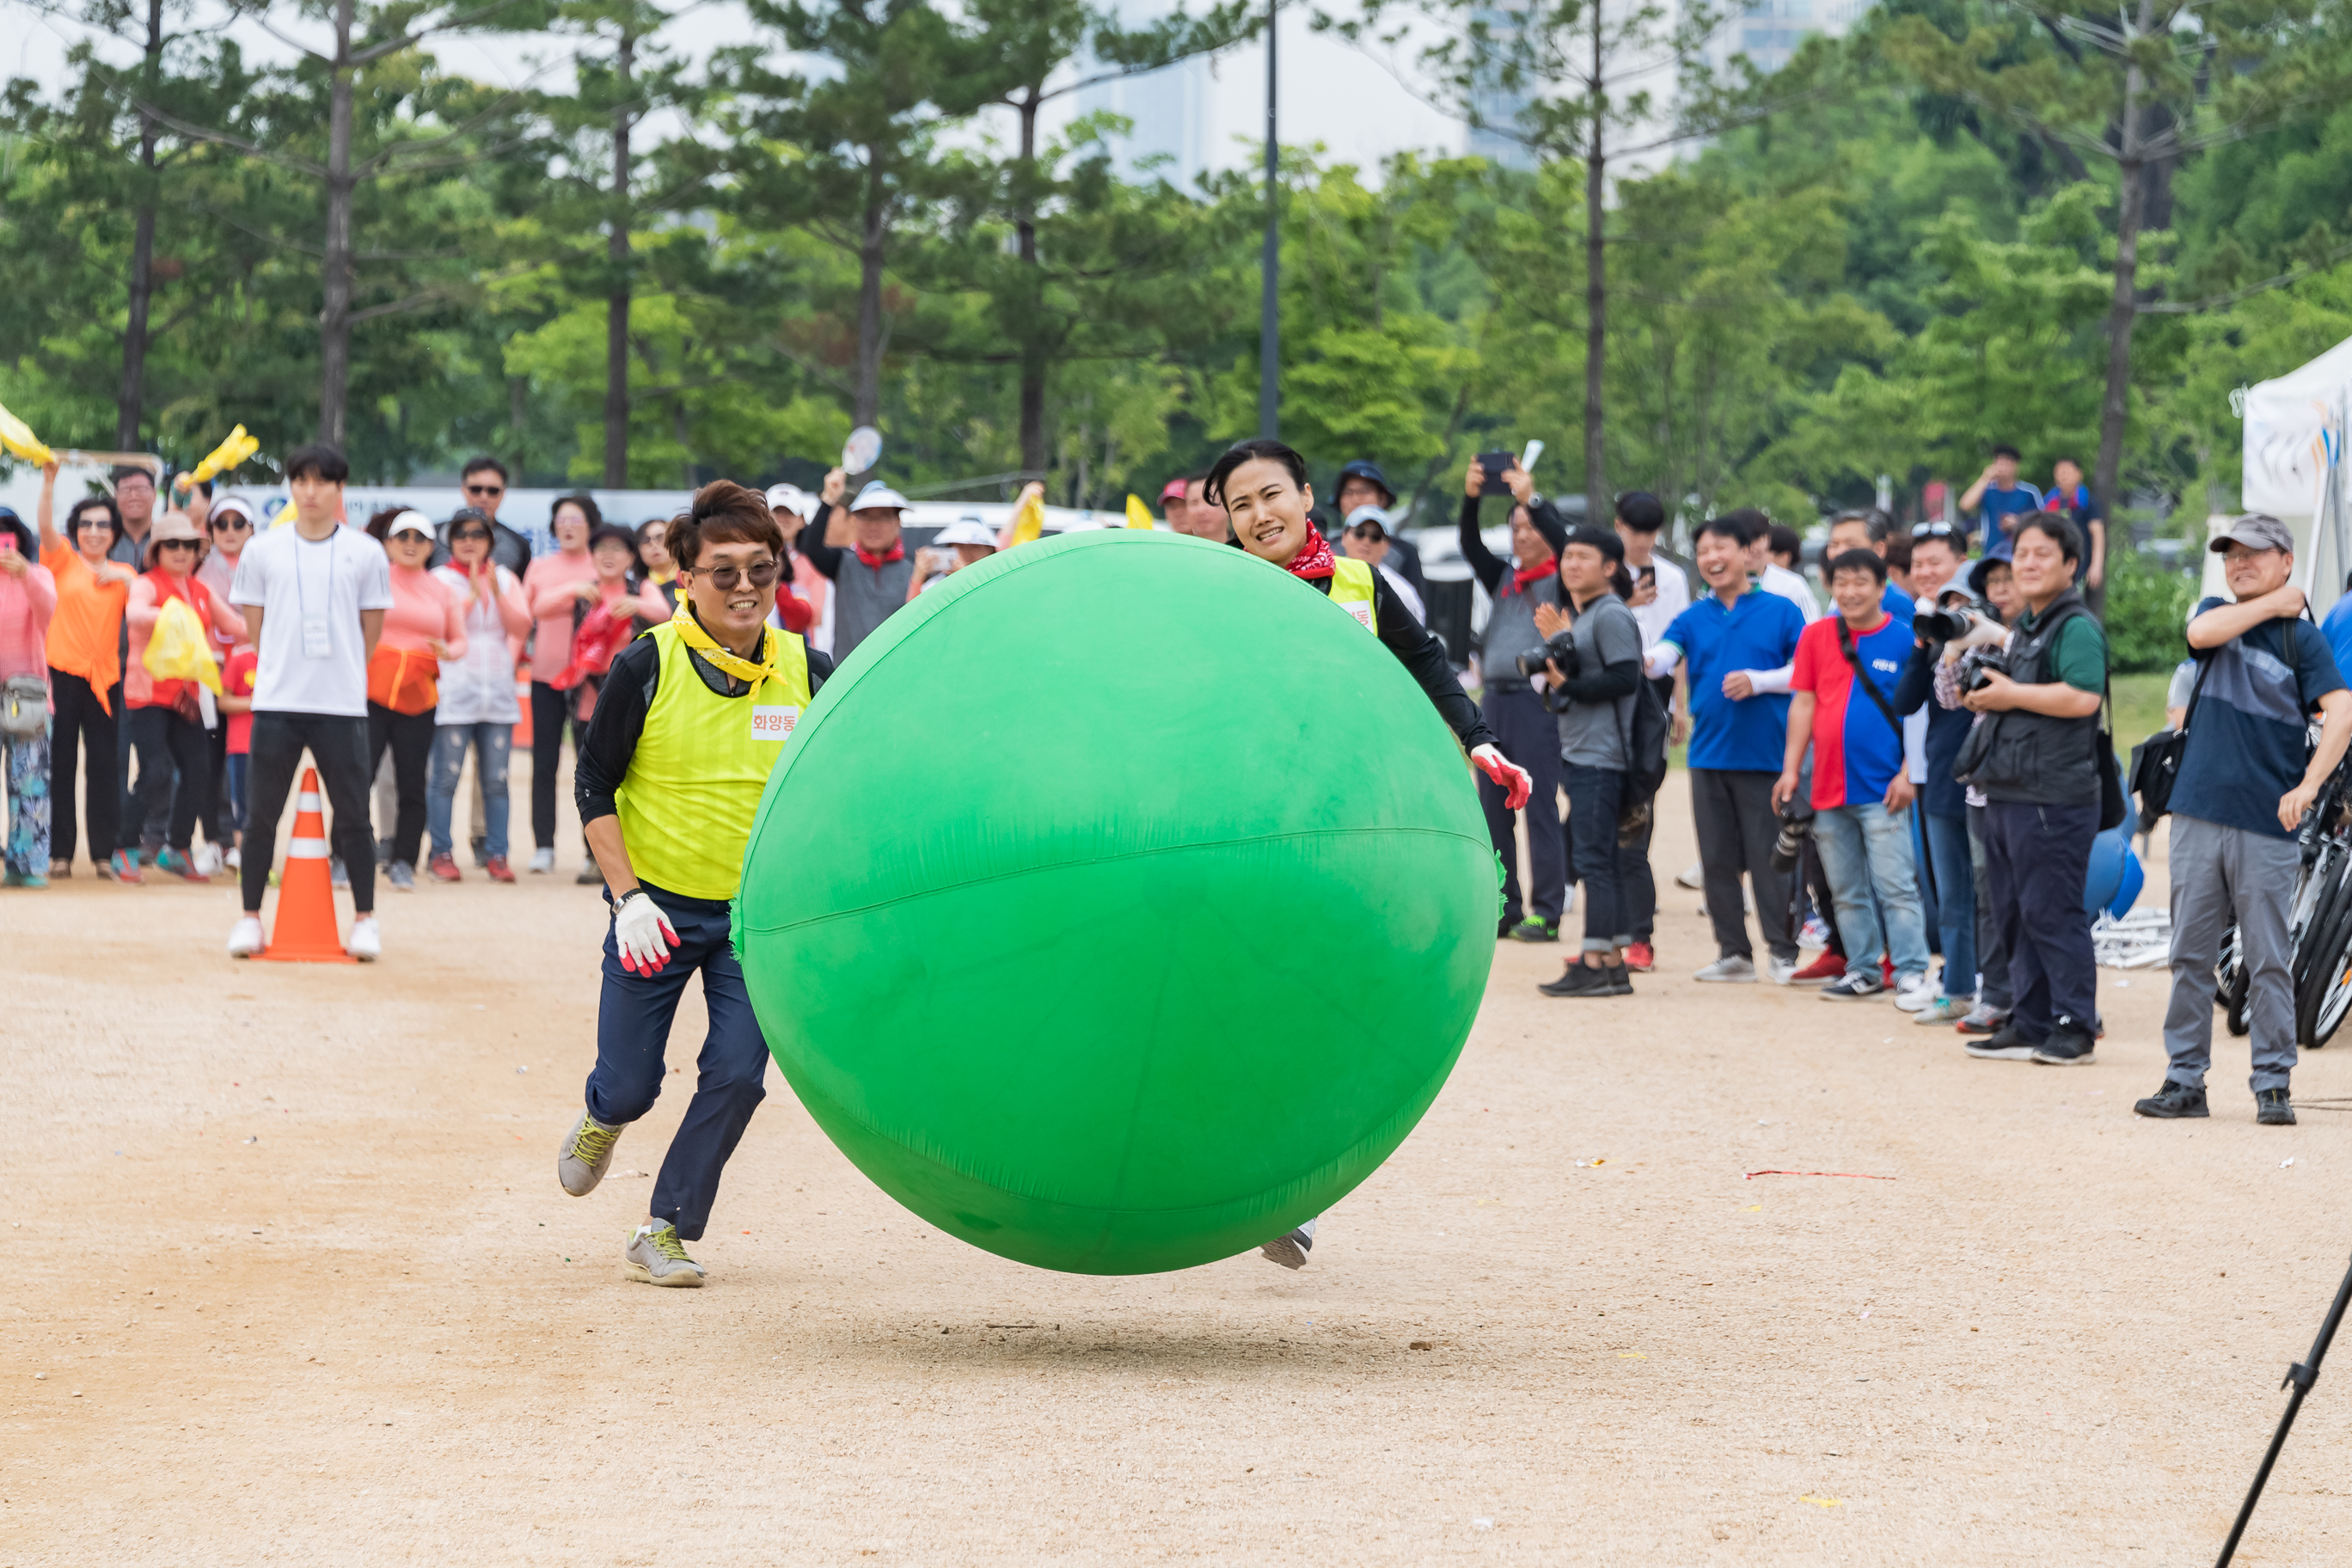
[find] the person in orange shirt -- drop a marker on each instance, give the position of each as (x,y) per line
(85,671)
(165,717)
(425,626)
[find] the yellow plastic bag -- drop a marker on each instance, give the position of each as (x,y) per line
(1137,515)
(17,439)
(1029,516)
(175,648)
(220,460)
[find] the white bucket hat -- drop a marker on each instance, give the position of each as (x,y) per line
(879,497)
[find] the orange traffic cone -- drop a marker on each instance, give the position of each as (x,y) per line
(305,932)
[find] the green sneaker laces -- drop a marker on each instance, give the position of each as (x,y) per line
(593,1142)
(666,1242)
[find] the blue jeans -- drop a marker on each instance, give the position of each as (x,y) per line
(1593,798)
(1955,899)
(490,743)
(633,1020)
(1866,851)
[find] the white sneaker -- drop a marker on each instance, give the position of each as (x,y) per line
(543,862)
(1914,995)
(655,1256)
(206,859)
(1729,970)
(1693,876)
(367,942)
(244,937)
(1782,970)
(233,860)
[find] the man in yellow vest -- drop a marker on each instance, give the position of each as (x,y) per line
(689,722)
(1262,486)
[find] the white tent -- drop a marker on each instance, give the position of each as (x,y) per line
(2295,434)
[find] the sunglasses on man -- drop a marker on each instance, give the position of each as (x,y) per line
(761,572)
(486,489)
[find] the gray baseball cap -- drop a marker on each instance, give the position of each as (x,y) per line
(2255,531)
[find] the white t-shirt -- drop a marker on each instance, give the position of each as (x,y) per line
(1791,586)
(330,580)
(1674,598)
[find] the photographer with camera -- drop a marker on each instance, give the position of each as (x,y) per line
(1862,792)
(2036,761)
(1941,629)
(1511,656)
(2247,777)
(1735,746)
(1592,655)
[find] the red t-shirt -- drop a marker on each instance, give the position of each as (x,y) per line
(237,681)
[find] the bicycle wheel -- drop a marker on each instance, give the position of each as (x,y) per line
(2319,942)
(2321,1000)
(2230,982)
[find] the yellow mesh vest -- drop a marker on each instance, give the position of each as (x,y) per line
(694,785)
(1351,590)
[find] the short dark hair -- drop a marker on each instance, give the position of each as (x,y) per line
(77,519)
(2067,457)
(1604,540)
(1868,561)
(203,484)
(588,509)
(133,470)
(1877,524)
(1950,539)
(1731,525)
(476,464)
(660,522)
(1782,540)
(2057,527)
(723,512)
(1641,511)
(613,533)
(318,460)
(1898,554)
(2003,449)
(1260,448)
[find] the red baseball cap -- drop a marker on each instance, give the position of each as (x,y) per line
(1174,488)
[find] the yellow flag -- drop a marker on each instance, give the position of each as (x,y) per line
(18,438)
(1029,517)
(221,460)
(285,515)
(1137,515)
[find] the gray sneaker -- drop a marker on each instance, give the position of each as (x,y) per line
(587,1151)
(656,1256)
(1729,970)
(401,876)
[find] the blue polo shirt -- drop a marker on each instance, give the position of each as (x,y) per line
(1760,631)
(1994,505)
(2246,745)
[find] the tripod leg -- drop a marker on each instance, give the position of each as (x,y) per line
(2300,1376)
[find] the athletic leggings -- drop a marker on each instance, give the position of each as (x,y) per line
(550,711)
(80,720)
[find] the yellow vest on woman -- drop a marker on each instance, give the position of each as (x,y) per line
(702,761)
(1351,590)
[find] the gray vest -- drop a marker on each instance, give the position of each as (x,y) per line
(1511,631)
(2036,759)
(864,597)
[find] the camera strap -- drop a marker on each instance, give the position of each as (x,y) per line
(1854,663)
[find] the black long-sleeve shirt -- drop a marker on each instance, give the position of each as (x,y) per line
(620,718)
(1491,568)
(1423,657)
(826,558)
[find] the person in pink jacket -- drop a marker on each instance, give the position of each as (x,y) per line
(425,627)
(28,594)
(552,584)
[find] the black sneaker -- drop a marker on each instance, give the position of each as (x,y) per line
(1621,978)
(2069,1044)
(2004,1047)
(1584,980)
(2173,1102)
(2272,1109)
(1854,987)
(1503,927)
(1533,929)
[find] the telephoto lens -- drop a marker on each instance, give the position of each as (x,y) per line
(1561,650)
(1796,827)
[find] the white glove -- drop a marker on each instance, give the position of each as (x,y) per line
(642,933)
(1508,776)
(1985,633)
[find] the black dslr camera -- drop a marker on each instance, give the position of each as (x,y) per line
(1561,650)
(1979,665)
(1796,827)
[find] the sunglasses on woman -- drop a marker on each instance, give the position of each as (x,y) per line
(231,523)
(177,544)
(761,572)
(462,535)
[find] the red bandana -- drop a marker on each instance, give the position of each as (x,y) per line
(1520,579)
(897,552)
(1314,558)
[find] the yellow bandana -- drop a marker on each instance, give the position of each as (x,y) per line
(690,632)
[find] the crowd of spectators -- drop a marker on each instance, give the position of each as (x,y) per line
(1910,777)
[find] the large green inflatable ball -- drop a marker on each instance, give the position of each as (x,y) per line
(1119,905)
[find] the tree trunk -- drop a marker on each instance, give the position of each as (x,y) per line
(866,400)
(335,270)
(1033,347)
(129,403)
(2122,311)
(616,307)
(1597,510)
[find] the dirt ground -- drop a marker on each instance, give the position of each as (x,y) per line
(279,1292)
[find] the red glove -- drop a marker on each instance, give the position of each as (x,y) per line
(1508,776)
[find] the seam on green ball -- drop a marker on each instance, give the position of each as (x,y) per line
(1480,844)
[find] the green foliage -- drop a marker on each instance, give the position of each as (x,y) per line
(2147,615)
